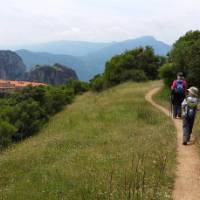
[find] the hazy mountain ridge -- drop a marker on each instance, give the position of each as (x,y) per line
(86,58)
(73,48)
(54,75)
(98,59)
(31,59)
(11,65)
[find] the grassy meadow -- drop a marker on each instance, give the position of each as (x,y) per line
(163,97)
(108,145)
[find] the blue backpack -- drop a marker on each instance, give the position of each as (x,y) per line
(179,87)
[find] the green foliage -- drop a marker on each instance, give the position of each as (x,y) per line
(27,110)
(138,65)
(185,57)
(28,118)
(167,73)
(97,83)
(6,132)
(79,87)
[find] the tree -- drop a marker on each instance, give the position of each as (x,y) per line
(168,73)
(185,56)
(6,132)
(97,83)
(139,64)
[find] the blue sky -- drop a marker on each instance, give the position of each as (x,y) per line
(35,21)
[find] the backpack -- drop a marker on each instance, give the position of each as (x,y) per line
(191,109)
(179,87)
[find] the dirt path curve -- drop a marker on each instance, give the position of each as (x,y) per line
(187,182)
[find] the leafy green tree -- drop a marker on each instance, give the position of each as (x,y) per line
(139,64)
(6,132)
(79,87)
(97,83)
(185,56)
(168,73)
(28,118)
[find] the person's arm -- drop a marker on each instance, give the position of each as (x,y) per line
(173,86)
(184,105)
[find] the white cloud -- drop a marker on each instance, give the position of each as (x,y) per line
(30,21)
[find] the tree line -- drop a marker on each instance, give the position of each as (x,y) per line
(24,112)
(142,64)
(185,57)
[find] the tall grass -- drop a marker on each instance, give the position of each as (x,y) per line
(163,97)
(110,145)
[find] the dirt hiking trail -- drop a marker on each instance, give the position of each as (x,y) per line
(187,182)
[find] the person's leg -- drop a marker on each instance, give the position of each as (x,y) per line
(191,123)
(174,111)
(185,130)
(179,110)
(180,100)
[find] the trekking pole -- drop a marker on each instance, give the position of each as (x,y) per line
(171,106)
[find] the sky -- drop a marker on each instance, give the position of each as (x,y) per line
(37,21)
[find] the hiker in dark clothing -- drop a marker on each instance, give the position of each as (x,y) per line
(190,107)
(178,94)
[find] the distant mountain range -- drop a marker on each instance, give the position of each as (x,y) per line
(13,68)
(73,48)
(11,65)
(86,58)
(31,59)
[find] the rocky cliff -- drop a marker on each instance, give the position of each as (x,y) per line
(55,75)
(11,65)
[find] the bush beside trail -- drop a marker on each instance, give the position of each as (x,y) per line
(140,64)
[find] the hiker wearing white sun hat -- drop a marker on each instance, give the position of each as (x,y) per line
(189,106)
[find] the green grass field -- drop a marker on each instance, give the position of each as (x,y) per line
(109,145)
(196,129)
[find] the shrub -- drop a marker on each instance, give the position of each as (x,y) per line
(167,72)
(23,113)
(6,132)
(78,86)
(140,64)
(185,56)
(97,83)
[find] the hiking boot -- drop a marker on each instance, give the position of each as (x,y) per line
(184,143)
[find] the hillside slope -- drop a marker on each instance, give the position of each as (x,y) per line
(110,145)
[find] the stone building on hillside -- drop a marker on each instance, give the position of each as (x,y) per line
(9,86)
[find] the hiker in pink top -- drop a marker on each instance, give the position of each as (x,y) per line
(179,89)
